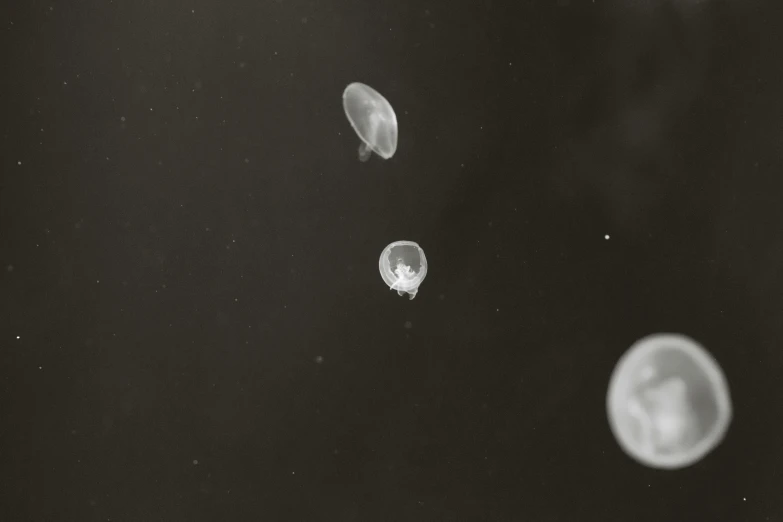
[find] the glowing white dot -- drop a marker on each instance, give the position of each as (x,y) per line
(122,118)
(606,236)
(195,462)
(18,162)
(17,337)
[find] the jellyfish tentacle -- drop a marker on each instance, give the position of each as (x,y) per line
(364,152)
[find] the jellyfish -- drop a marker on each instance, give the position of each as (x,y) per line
(668,402)
(409,267)
(373,119)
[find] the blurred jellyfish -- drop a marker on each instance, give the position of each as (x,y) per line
(410,267)
(668,402)
(373,119)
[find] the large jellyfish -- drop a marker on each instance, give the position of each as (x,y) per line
(668,402)
(409,267)
(373,119)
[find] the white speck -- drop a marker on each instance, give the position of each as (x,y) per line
(40,367)
(65,83)
(150,109)
(195,462)
(18,337)
(606,237)
(122,118)
(319,359)
(18,162)
(97,280)
(193,11)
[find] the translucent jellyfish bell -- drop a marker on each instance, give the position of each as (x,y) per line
(403,267)
(373,119)
(668,402)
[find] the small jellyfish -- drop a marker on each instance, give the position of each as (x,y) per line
(373,119)
(668,402)
(403,267)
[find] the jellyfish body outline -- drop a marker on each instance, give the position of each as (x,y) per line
(399,275)
(668,402)
(373,119)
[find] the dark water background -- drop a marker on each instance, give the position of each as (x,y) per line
(193,323)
